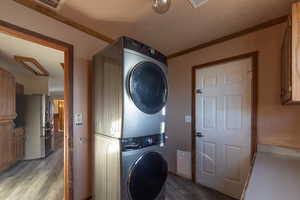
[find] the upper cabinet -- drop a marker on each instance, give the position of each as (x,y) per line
(8,96)
(290,84)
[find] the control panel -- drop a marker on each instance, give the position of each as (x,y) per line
(142,142)
(132,44)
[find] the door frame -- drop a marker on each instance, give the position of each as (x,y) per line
(254,58)
(22,33)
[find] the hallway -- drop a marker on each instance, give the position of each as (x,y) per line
(34,180)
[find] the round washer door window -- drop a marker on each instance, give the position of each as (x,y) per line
(148,177)
(148,87)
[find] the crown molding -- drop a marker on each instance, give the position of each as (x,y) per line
(252,29)
(50,13)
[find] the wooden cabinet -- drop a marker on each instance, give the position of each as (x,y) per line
(290,73)
(19,143)
(8,96)
(7,145)
(12,143)
(11,139)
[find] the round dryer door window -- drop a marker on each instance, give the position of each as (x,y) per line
(148,177)
(148,87)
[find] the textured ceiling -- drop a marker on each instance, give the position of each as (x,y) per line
(49,58)
(182,27)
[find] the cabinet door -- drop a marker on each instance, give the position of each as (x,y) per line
(7,145)
(8,96)
(295,46)
(20,140)
(286,66)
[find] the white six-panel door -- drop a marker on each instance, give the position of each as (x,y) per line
(223,117)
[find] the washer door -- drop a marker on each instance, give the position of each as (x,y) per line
(148,87)
(148,177)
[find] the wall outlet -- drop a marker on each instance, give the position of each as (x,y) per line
(188,119)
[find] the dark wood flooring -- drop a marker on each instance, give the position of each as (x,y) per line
(43,180)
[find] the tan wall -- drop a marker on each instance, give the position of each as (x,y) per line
(277,124)
(85,46)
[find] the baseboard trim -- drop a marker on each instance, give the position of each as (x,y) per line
(265,148)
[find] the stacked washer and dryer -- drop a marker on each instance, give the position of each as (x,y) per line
(129,105)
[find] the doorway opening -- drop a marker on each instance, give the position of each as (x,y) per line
(224,110)
(47,86)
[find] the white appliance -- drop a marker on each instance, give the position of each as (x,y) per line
(38,142)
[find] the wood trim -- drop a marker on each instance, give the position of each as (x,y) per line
(35,37)
(68,50)
(6,121)
(62,65)
(252,29)
(50,13)
(254,57)
(23,61)
(90,129)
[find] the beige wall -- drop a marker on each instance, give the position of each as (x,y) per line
(85,46)
(277,124)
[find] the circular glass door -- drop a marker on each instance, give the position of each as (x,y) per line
(148,87)
(148,177)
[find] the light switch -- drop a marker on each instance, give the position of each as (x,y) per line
(188,119)
(78,119)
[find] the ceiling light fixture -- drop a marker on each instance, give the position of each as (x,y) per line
(161,6)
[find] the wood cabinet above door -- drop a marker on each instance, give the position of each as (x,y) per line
(290,73)
(7,96)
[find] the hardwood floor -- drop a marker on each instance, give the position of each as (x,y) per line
(34,180)
(43,180)
(180,189)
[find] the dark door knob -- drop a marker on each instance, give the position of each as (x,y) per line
(199,134)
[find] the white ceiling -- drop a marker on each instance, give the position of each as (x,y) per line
(180,28)
(49,58)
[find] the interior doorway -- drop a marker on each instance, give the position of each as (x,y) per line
(224,122)
(67,65)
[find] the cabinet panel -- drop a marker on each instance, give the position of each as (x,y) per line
(8,95)
(290,73)
(7,145)
(19,143)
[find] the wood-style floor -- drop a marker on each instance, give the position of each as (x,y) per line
(43,180)
(34,180)
(180,189)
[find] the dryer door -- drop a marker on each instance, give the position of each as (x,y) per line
(148,176)
(148,87)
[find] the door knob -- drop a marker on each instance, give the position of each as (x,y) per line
(199,134)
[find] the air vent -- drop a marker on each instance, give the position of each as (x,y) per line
(198,3)
(50,3)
